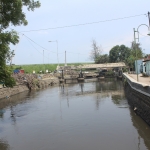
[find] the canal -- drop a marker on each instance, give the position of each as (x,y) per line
(79,116)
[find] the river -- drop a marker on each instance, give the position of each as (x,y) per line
(79,116)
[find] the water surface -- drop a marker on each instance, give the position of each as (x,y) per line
(82,116)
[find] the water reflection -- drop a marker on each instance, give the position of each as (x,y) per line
(4,145)
(73,116)
(117,97)
(2,111)
(101,89)
(142,128)
(17,104)
(16,99)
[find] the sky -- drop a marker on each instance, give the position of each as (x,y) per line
(34,46)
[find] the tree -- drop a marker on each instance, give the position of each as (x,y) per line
(124,53)
(119,53)
(11,13)
(102,59)
(114,54)
(96,51)
(136,50)
(130,61)
(136,53)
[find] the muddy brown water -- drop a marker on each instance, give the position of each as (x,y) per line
(81,116)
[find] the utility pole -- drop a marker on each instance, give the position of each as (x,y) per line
(136,54)
(43,61)
(57,53)
(149,19)
(65,59)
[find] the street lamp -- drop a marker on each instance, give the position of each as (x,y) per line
(138,41)
(57,50)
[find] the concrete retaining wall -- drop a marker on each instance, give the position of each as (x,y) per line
(138,86)
(138,97)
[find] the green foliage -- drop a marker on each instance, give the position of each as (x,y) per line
(124,69)
(109,73)
(114,54)
(124,53)
(41,67)
(136,53)
(11,13)
(125,82)
(130,61)
(144,75)
(17,67)
(102,59)
(119,54)
(5,74)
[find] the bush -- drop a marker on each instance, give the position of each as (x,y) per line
(109,73)
(144,75)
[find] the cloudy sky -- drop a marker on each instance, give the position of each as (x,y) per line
(74,24)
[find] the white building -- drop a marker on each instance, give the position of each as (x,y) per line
(147,66)
(138,64)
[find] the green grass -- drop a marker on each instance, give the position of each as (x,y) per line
(39,67)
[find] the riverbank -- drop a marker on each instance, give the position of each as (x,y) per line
(26,86)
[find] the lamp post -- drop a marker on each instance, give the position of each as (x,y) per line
(138,40)
(136,52)
(149,20)
(57,51)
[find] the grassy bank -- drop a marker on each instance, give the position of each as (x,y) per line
(39,67)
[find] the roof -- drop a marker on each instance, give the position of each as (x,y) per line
(147,59)
(106,65)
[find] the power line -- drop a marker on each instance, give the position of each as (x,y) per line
(38,44)
(37,49)
(77,53)
(34,47)
(48,50)
(83,24)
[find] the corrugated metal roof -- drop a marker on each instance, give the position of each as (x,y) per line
(106,65)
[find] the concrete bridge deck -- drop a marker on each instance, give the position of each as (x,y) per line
(106,65)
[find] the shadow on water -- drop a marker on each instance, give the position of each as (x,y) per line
(142,129)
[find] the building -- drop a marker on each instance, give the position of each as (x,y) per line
(138,66)
(147,66)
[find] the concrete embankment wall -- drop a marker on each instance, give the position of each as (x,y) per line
(138,96)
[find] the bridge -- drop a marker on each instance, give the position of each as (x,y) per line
(106,65)
(92,66)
